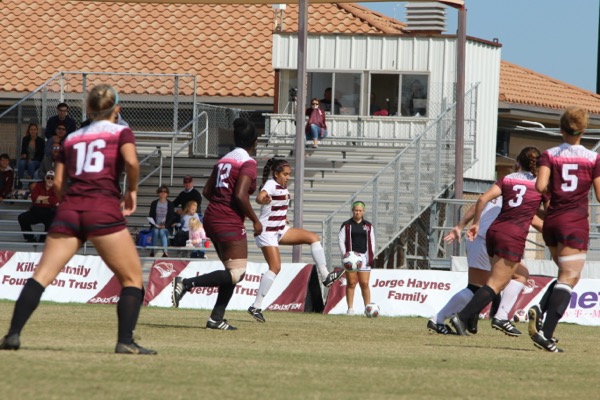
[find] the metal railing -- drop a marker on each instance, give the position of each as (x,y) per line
(402,190)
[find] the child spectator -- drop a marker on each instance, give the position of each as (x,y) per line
(197,237)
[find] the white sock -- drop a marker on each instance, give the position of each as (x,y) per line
(509,298)
(265,284)
(454,305)
(318,254)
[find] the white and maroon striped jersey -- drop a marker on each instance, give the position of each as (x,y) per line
(273,216)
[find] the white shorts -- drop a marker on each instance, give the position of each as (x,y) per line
(365,267)
(270,239)
(477,256)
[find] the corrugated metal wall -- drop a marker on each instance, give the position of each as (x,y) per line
(434,55)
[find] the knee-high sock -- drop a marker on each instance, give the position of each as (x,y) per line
(546,297)
(215,278)
(557,305)
(128,311)
(509,298)
(318,254)
(26,304)
(225,294)
(481,299)
(265,284)
(454,305)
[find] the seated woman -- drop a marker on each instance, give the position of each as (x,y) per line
(316,127)
(163,217)
(32,152)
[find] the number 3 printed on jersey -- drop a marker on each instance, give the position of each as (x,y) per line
(570,180)
(89,158)
(520,193)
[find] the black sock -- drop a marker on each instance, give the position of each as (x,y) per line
(128,311)
(557,305)
(215,278)
(546,297)
(481,299)
(225,294)
(495,305)
(26,304)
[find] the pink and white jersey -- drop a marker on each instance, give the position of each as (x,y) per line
(572,170)
(94,163)
(273,216)
(223,209)
(489,214)
(520,203)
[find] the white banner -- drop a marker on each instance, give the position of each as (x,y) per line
(85,279)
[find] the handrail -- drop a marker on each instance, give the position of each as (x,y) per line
(195,136)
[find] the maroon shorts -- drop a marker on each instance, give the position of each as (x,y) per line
(502,244)
(564,229)
(218,231)
(84,224)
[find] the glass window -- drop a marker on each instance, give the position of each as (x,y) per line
(320,87)
(288,84)
(383,98)
(346,94)
(414,95)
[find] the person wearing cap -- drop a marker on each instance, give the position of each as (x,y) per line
(188,193)
(43,208)
(63,118)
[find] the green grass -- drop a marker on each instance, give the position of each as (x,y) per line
(67,353)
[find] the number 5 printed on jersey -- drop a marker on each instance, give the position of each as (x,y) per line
(89,158)
(570,180)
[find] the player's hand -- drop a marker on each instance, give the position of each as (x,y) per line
(257,228)
(472,232)
(129,203)
(266,200)
(453,235)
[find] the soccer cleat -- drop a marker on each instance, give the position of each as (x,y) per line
(332,277)
(505,326)
(219,325)
(178,291)
(12,342)
(458,325)
(256,314)
(541,342)
(133,348)
(535,320)
(442,329)
(350,311)
(472,324)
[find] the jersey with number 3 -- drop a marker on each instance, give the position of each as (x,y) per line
(572,170)
(520,202)
(223,205)
(94,164)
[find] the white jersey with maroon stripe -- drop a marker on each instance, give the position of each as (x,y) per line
(273,216)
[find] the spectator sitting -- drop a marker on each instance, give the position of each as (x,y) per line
(32,152)
(7,177)
(49,161)
(197,237)
(62,117)
(61,134)
(187,194)
(316,126)
(43,208)
(326,103)
(189,212)
(162,217)
(373,107)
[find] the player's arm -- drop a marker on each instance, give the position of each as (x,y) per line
(60,179)
(342,240)
(456,231)
(490,194)
(263,198)
(240,194)
(209,187)
(543,178)
(132,171)
(596,183)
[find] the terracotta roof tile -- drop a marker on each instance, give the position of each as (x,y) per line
(519,85)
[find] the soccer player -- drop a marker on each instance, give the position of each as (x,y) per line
(505,239)
(228,191)
(274,198)
(91,208)
(566,172)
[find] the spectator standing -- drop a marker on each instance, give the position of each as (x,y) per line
(59,137)
(162,215)
(43,208)
(188,193)
(326,103)
(316,127)
(7,176)
(32,152)
(62,117)
(358,235)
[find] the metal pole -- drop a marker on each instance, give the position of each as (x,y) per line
(461,44)
(299,144)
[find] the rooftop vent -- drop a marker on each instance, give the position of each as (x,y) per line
(425,17)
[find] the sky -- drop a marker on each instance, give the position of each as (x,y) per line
(556,38)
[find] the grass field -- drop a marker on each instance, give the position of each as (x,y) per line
(67,353)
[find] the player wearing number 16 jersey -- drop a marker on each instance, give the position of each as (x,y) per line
(505,240)
(567,172)
(92,159)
